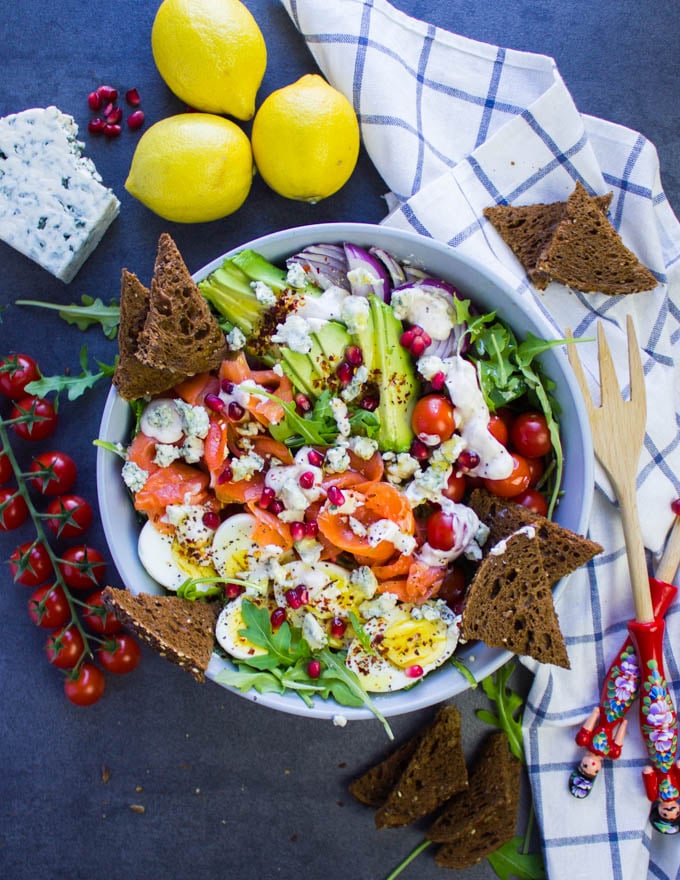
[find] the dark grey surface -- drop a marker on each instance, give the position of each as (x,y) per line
(229,789)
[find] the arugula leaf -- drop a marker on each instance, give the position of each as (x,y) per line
(365,423)
(361,635)
(92,311)
(351,681)
(464,671)
(511,861)
(508,704)
(294,429)
(284,646)
(74,386)
(244,679)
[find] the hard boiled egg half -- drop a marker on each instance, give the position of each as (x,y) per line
(172,558)
(406,643)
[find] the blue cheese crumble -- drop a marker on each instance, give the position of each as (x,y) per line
(134,477)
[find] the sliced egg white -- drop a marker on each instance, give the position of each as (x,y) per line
(404,641)
(230,621)
(165,560)
(232,543)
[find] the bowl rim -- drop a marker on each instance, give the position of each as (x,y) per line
(399,702)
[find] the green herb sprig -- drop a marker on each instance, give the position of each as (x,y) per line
(74,386)
(92,312)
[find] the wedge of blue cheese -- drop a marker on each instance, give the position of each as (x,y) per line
(54,208)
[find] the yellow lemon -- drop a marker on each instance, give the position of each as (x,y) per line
(191,168)
(305,140)
(211,54)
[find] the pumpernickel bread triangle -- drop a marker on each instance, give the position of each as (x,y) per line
(374,786)
(132,378)
(587,253)
(180,630)
(435,772)
(476,822)
(563,550)
(509,603)
(180,333)
(528,229)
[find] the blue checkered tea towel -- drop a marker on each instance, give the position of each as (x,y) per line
(453,126)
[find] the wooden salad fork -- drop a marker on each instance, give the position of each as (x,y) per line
(618,429)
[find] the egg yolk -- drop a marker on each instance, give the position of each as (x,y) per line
(408,641)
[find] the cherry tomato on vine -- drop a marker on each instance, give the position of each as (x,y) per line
(43,418)
(57,471)
(70,516)
(82,567)
(120,654)
(13,509)
(517,482)
(97,618)
(499,429)
(455,487)
(532,500)
(6,471)
(441,533)
(30,564)
(87,686)
(16,372)
(434,414)
(65,647)
(55,609)
(530,435)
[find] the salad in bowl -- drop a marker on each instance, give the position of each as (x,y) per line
(315,482)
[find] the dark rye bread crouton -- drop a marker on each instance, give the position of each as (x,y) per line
(528,229)
(180,332)
(373,787)
(587,253)
(476,822)
(509,603)
(434,773)
(180,630)
(563,550)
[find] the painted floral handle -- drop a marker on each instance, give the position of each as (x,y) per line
(602,734)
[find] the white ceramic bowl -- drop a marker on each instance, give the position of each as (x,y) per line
(121,525)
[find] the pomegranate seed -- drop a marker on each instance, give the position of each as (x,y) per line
(418,346)
(235,411)
(315,458)
(407,337)
(314,669)
(108,110)
(303,403)
(414,671)
(94,100)
(210,519)
(338,627)
(293,598)
(297,531)
(96,125)
(266,498)
(135,120)
(344,373)
(427,339)
(438,380)
(225,476)
(213,402)
(107,93)
(675,506)
(115,116)
(277,617)
(306,480)
(335,496)
(419,450)
(132,97)
(112,131)
(370,403)
(231,591)
(276,507)
(227,386)
(311,529)
(468,460)
(354,356)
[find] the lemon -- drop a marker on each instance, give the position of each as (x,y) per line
(191,168)
(305,139)
(211,54)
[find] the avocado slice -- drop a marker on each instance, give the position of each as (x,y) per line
(311,372)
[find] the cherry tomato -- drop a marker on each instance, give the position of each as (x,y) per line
(6,471)
(120,654)
(517,482)
(15,374)
(498,429)
(70,516)
(434,414)
(57,471)
(440,531)
(455,487)
(13,509)
(537,469)
(98,618)
(55,610)
(43,418)
(65,647)
(82,567)
(532,500)
(453,589)
(87,686)
(30,564)
(530,435)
